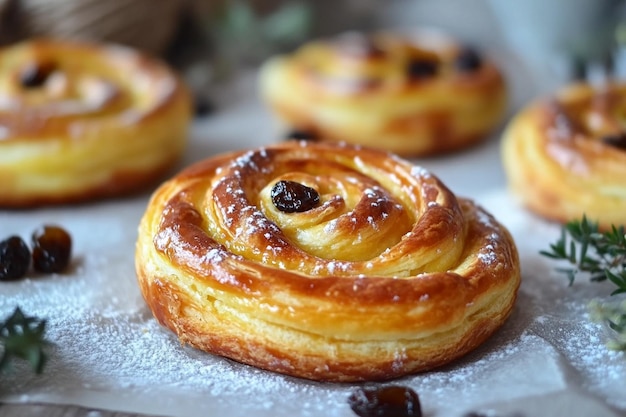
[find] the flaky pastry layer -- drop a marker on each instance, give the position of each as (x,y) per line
(389,274)
(565,155)
(415,94)
(81,121)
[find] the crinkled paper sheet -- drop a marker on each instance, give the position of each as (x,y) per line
(548,360)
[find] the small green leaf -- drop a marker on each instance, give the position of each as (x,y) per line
(572,252)
(552,254)
(602,255)
(23,337)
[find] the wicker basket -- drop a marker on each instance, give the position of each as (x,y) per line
(145,24)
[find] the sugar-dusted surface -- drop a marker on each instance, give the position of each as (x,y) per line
(109,352)
(548,360)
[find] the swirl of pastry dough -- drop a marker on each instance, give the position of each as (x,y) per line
(380,271)
(81,121)
(415,94)
(565,155)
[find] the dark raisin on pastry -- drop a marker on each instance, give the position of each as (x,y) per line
(292,197)
(468,60)
(36,74)
(617,140)
(421,68)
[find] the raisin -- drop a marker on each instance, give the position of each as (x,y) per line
(203,106)
(468,60)
(291,197)
(52,248)
(14,258)
(36,74)
(421,68)
(387,401)
(301,135)
(618,140)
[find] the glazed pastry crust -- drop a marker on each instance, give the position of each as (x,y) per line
(358,89)
(389,275)
(565,155)
(103,121)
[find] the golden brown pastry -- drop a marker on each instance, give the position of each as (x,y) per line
(415,94)
(83,121)
(322,261)
(565,155)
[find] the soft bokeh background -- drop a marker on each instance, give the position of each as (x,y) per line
(209,40)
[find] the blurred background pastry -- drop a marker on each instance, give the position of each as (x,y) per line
(206,38)
(415,93)
(565,155)
(83,121)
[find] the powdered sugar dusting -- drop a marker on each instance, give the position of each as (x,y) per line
(420,172)
(108,348)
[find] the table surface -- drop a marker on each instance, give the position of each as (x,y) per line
(486,174)
(451,169)
(238,107)
(53,410)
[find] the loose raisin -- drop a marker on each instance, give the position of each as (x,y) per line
(618,140)
(291,197)
(387,401)
(36,74)
(468,60)
(14,258)
(52,248)
(203,106)
(421,68)
(300,135)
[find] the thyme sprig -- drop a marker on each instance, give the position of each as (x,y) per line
(602,255)
(23,337)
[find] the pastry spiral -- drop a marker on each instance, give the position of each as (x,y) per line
(414,94)
(322,261)
(83,121)
(565,155)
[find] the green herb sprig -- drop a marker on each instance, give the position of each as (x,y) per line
(602,255)
(23,337)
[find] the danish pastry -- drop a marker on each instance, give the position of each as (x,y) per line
(415,94)
(565,155)
(324,261)
(82,121)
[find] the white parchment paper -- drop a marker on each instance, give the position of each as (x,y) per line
(548,360)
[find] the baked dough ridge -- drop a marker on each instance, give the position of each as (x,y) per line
(327,319)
